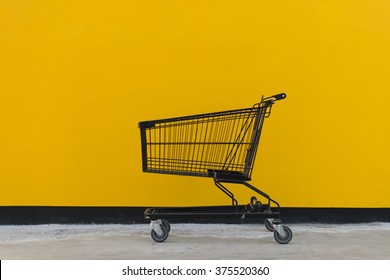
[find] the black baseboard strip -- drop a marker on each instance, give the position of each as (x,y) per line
(25,215)
(335,215)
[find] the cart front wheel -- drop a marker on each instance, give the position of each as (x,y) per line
(160,237)
(269,225)
(283,239)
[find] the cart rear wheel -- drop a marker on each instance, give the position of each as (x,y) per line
(160,238)
(269,225)
(166,224)
(283,239)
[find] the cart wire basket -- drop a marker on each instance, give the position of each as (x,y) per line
(220,145)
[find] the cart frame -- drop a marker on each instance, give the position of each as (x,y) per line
(221,145)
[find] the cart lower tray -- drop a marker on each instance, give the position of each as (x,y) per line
(160,226)
(215,213)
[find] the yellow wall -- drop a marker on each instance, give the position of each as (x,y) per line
(77,76)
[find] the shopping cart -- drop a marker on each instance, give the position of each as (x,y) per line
(220,145)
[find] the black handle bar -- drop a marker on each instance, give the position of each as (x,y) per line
(272,99)
(279,96)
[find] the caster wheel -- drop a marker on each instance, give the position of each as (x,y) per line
(269,225)
(166,224)
(283,239)
(160,237)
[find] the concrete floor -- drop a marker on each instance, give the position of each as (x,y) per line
(195,241)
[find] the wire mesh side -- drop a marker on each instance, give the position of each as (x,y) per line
(203,145)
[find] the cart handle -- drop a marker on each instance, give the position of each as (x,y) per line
(279,96)
(269,101)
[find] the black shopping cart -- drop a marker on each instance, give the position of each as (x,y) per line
(220,145)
